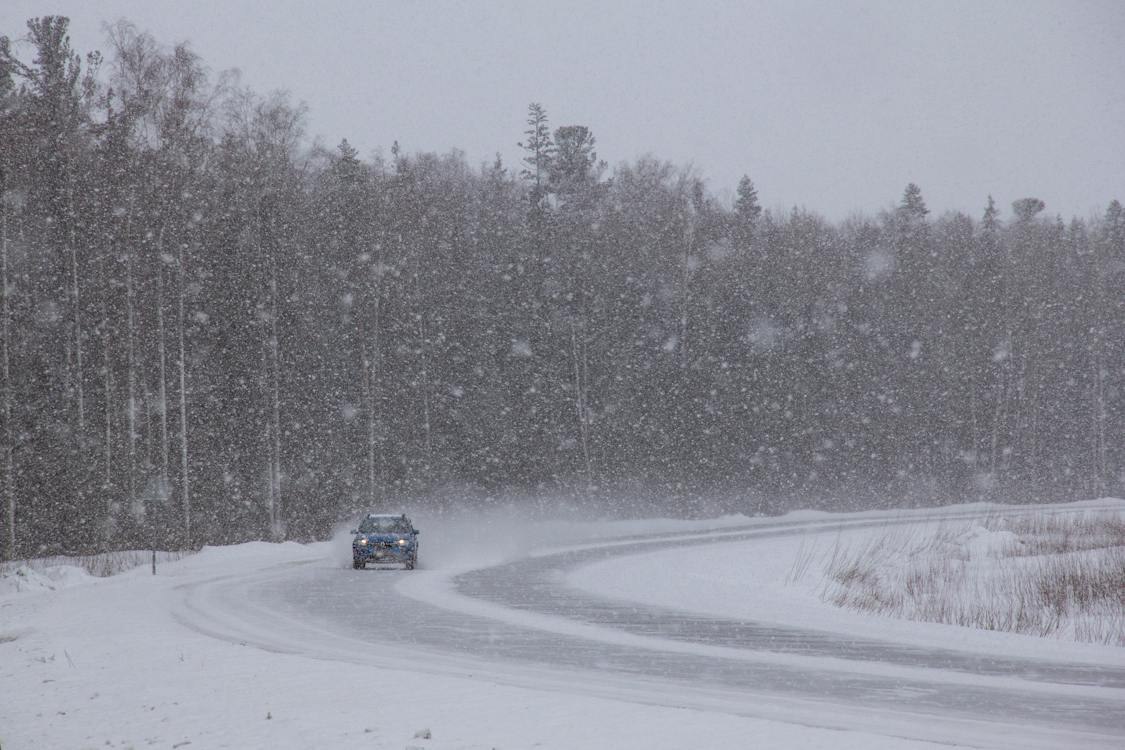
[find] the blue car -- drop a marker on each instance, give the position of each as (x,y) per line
(385,539)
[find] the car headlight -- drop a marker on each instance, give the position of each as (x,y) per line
(402,542)
(361,542)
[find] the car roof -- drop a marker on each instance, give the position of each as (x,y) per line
(386,515)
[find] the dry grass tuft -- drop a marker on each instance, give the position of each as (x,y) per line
(101,565)
(1045,574)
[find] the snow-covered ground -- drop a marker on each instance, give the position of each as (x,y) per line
(233,647)
(782,580)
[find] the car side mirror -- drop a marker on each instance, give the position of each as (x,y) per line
(354,531)
(417,531)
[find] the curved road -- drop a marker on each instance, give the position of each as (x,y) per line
(516,623)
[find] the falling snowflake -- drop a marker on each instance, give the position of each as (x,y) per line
(763,336)
(878,263)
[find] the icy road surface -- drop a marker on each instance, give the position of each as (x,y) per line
(520,623)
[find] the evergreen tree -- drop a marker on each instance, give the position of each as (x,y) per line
(1027,209)
(912,207)
(575,167)
(540,149)
(54,95)
(746,213)
(1107,350)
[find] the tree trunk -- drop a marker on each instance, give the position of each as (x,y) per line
(267,441)
(9,446)
(77,301)
(1099,413)
(425,386)
(131,385)
(107,384)
(581,376)
(685,290)
(276,527)
(371,372)
(162,354)
(1006,387)
(185,481)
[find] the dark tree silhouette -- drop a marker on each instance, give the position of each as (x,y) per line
(212,331)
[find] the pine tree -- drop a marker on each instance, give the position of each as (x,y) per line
(1026,209)
(746,214)
(575,167)
(55,93)
(912,207)
(540,152)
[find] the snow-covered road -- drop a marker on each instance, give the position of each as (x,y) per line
(646,635)
(520,623)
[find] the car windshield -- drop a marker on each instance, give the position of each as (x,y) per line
(388,525)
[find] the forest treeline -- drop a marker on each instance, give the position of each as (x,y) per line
(214,331)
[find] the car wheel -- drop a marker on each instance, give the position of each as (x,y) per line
(412,562)
(359,564)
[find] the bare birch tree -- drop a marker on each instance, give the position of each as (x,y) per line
(5,368)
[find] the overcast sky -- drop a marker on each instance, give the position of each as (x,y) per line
(834,106)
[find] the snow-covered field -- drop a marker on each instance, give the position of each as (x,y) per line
(232,648)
